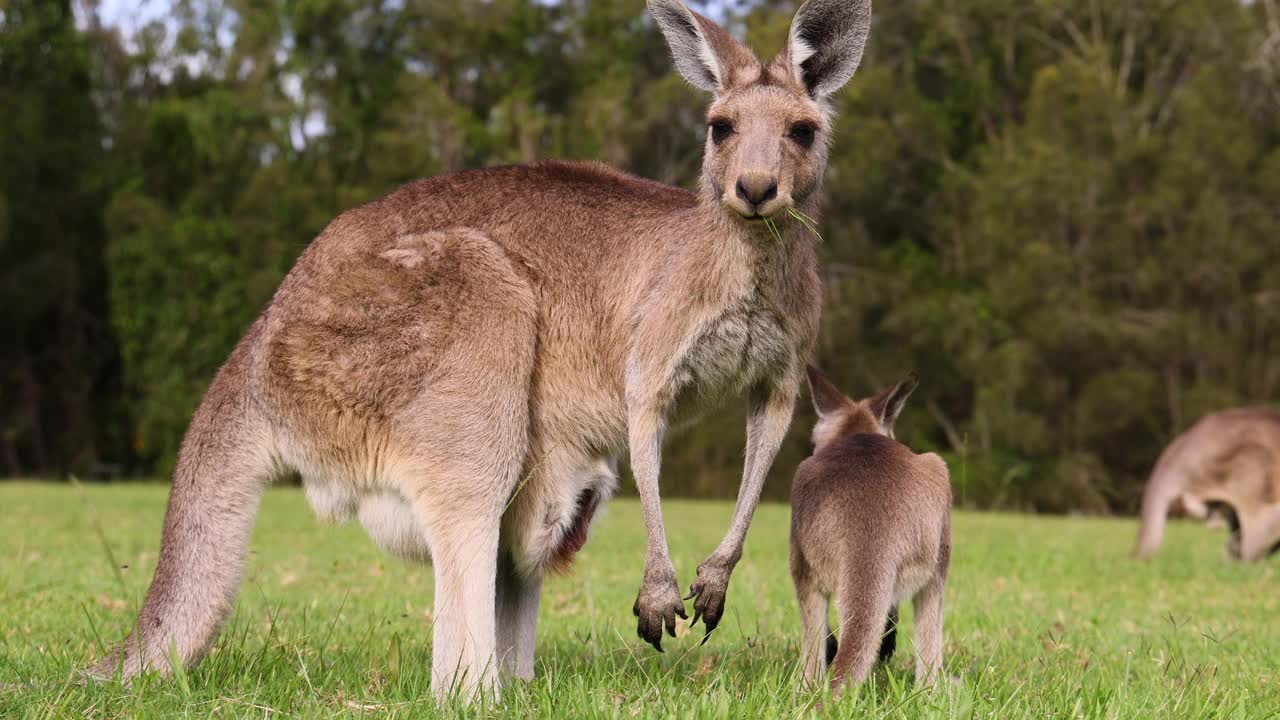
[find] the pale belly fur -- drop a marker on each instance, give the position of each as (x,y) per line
(544,539)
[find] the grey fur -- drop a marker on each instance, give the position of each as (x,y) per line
(870,527)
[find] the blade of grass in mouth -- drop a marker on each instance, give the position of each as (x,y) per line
(806,221)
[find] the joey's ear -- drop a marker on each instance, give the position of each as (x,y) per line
(825,44)
(827,398)
(705,53)
(888,404)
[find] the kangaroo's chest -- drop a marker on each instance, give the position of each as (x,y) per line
(735,346)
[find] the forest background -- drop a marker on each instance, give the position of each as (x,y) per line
(1063,215)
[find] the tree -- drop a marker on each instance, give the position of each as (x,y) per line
(57,361)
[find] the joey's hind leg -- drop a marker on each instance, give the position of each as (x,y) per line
(928,613)
(518,598)
(815,634)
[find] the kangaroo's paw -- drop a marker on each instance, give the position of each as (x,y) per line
(708,593)
(658,605)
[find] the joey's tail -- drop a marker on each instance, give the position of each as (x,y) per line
(222,469)
(865,599)
(888,641)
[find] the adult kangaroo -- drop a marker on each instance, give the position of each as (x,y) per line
(460,364)
(1226,465)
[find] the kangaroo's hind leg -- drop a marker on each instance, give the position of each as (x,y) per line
(464,552)
(467,438)
(517,616)
(460,484)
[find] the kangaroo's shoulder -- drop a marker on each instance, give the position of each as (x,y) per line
(933,462)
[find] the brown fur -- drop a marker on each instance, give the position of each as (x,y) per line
(1225,468)
(459,363)
(870,526)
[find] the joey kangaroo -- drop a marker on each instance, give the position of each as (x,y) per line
(871,526)
(1226,466)
(460,364)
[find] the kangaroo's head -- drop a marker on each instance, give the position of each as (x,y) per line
(769,125)
(839,416)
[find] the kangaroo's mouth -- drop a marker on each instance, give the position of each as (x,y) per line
(771,209)
(760,215)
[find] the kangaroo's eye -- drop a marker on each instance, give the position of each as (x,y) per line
(720,129)
(802,133)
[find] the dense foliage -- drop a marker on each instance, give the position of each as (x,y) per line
(1064,215)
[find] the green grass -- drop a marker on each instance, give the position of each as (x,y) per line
(1046,617)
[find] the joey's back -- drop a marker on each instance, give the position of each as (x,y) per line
(869,489)
(863,491)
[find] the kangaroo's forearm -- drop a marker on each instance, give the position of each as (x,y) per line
(766,428)
(646,432)
(658,603)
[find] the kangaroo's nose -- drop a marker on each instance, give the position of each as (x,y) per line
(757,189)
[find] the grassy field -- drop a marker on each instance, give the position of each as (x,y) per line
(1046,617)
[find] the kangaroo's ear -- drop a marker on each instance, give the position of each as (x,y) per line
(705,53)
(827,398)
(888,405)
(825,44)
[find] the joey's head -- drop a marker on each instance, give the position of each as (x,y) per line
(839,416)
(768,128)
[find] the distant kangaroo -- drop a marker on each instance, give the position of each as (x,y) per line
(460,364)
(871,526)
(1226,466)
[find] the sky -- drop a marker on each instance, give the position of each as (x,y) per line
(131,14)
